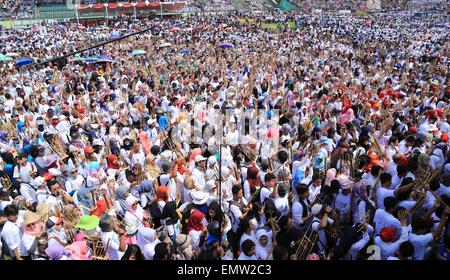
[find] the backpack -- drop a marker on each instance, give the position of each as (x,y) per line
(185,217)
(257,195)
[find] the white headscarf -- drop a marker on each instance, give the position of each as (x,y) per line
(262,252)
(437,159)
(147,240)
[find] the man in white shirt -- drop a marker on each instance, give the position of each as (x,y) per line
(314,187)
(319,223)
(420,239)
(12,234)
(23,174)
(384,190)
(267,190)
(384,218)
(301,210)
(238,207)
(386,238)
(198,174)
(75,181)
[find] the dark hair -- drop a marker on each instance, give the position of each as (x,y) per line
(23,155)
(11,210)
(418,223)
(269,176)
(301,189)
(247,246)
(51,183)
(279,252)
(375,170)
(133,250)
(385,177)
(161,251)
(335,184)
(389,202)
(407,249)
(236,188)
(402,169)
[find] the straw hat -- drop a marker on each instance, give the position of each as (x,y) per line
(30,218)
(42,210)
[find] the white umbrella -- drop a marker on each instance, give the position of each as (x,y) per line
(12,54)
(163,45)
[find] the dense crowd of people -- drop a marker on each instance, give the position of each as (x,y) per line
(10,9)
(202,138)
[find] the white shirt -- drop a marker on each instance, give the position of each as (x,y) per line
(388,249)
(12,235)
(264,194)
(384,219)
(313,192)
(323,244)
(297,214)
(282,204)
(382,193)
(199,177)
(420,243)
(113,240)
(24,173)
(74,184)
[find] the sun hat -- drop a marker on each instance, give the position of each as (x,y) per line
(30,218)
(199,197)
(88,222)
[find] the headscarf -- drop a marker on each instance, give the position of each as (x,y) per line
(3,136)
(85,199)
(145,236)
(146,187)
(56,251)
(347,117)
(253,179)
(195,152)
(35,230)
(139,211)
(422,158)
(145,142)
(359,193)
(170,213)
(79,250)
(111,162)
(196,221)
(100,209)
(120,197)
(330,176)
(447,168)
(437,159)
(161,194)
(262,252)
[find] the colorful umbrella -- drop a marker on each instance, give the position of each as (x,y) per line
(104,58)
(174,29)
(138,52)
(185,50)
(23,61)
(90,59)
(5,58)
(226,46)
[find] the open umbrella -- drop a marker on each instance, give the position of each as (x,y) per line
(77,58)
(104,58)
(185,50)
(226,46)
(23,61)
(12,54)
(90,59)
(5,58)
(138,52)
(174,29)
(163,45)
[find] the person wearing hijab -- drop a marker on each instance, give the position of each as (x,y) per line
(79,250)
(437,159)
(57,252)
(196,228)
(85,201)
(146,193)
(135,217)
(121,195)
(252,183)
(112,165)
(171,217)
(263,244)
(147,240)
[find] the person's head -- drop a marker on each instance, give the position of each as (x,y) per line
(248,247)
(376,170)
(54,187)
(237,191)
(389,204)
(162,251)
(200,161)
(270,180)
(106,223)
(11,212)
(402,170)
(280,253)
(419,225)
(303,191)
(405,250)
(133,253)
(22,159)
(397,158)
(386,180)
(316,180)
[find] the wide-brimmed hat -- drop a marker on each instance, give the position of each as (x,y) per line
(42,209)
(199,197)
(30,217)
(88,222)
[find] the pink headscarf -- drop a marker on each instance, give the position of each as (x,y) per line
(34,230)
(347,117)
(195,152)
(330,176)
(79,250)
(143,139)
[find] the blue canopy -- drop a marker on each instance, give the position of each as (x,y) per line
(90,59)
(104,58)
(23,61)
